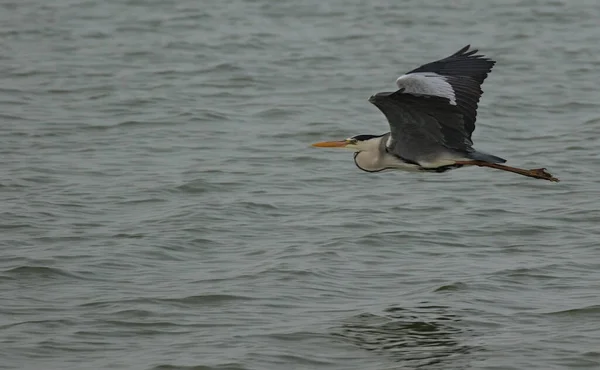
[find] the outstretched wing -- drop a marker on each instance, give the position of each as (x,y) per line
(457,78)
(423,127)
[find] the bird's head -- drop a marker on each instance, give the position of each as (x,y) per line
(358,143)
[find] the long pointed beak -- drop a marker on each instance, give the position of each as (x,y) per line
(331,144)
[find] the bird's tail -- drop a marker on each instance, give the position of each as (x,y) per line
(484,157)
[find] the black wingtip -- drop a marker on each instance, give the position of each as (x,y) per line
(465,52)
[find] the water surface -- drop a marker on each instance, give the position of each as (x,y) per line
(162,207)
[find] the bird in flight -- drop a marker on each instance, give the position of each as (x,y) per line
(431,116)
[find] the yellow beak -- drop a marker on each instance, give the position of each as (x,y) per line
(331,144)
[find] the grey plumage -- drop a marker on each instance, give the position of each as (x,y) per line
(421,125)
(431,116)
(425,127)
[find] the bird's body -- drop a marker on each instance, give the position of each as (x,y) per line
(431,117)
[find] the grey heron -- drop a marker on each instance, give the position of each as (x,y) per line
(431,117)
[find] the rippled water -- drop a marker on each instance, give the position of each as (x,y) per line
(162,207)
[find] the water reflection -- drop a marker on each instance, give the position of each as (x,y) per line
(421,337)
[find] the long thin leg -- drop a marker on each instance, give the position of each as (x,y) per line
(538,173)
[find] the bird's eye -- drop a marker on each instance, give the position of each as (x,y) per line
(352,141)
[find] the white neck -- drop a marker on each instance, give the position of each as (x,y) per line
(368,155)
(371,156)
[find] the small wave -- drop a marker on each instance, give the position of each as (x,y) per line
(204,299)
(133,313)
(357,36)
(259,206)
(7,226)
(210,115)
(188,13)
(452,287)
(142,123)
(40,272)
(139,201)
(578,312)
(99,35)
(304,360)
(222,67)
(45,323)
(203,241)
(165,255)
(546,272)
(10,117)
(127,124)
(200,299)
(277,113)
(148,326)
(129,235)
(226,366)
(593,121)
(198,186)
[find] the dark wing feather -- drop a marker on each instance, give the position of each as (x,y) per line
(465,72)
(462,63)
(423,127)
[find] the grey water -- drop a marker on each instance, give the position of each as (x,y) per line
(162,208)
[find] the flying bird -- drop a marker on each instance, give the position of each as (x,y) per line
(431,117)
